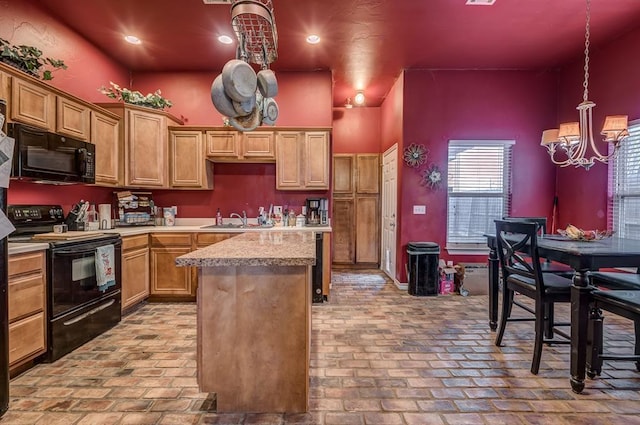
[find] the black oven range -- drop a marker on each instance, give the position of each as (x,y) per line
(79,305)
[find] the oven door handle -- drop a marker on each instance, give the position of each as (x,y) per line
(87,249)
(89,313)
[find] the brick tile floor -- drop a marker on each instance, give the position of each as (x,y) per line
(378,356)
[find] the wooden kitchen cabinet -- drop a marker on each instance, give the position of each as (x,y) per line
(135,270)
(189,168)
(5,89)
(235,146)
(26,308)
(302,160)
(105,132)
(72,118)
(32,104)
(169,282)
(144,141)
(356,209)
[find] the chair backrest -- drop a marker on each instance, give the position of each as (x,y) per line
(541,221)
(518,250)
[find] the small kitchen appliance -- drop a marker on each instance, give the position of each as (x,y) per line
(317,214)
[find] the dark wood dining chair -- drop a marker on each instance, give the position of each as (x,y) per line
(624,303)
(522,273)
(547,266)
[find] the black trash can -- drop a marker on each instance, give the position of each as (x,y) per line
(423,268)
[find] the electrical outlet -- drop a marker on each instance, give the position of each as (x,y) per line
(419,209)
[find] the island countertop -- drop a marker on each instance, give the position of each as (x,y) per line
(256,249)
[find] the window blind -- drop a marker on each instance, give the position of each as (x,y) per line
(479,190)
(624,186)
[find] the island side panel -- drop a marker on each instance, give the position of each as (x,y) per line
(254,337)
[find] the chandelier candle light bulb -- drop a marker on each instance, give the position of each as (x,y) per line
(575,137)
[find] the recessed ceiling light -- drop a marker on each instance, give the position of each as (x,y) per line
(132,39)
(313,39)
(480,2)
(359,98)
(225,39)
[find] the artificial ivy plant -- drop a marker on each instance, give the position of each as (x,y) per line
(151,100)
(29,59)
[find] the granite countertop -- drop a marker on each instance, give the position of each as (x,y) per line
(256,249)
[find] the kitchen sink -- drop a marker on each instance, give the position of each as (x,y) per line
(223,226)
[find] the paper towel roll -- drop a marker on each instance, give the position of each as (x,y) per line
(104,213)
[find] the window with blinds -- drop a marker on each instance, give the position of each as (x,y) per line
(624,186)
(479,190)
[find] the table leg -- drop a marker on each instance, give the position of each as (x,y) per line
(580,291)
(493,288)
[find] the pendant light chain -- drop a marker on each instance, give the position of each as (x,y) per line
(587,33)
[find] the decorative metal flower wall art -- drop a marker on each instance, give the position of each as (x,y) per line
(415,155)
(432,176)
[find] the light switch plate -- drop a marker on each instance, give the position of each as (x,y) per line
(419,209)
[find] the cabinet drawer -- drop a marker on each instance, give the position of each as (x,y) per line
(26,338)
(132,242)
(26,263)
(171,239)
(206,239)
(26,296)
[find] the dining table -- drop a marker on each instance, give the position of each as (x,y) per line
(583,257)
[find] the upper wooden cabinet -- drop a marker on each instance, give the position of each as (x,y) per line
(32,104)
(356,173)
(105,133)
(235,146)
(302,160)
(143,137)
(343,170)
(189,169)
(5,89)
(72,118)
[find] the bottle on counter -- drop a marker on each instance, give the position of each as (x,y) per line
(292,218)
(218,218)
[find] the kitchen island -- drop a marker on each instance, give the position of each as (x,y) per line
(254,320)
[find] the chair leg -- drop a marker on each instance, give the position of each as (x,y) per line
(507,300)
(636,324)
(539,338)
(594,343)
(549,318)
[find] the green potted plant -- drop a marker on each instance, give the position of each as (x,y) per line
(134,97)
(29,59)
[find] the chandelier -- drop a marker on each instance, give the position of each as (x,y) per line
(574,138)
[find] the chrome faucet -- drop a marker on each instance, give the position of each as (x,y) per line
(243,217)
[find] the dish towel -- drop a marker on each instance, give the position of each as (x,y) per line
(105,267)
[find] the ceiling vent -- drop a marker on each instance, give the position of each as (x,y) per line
(216,1)
(477,2)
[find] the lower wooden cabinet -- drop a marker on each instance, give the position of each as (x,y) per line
(135,270)
(27,307)
(167,280)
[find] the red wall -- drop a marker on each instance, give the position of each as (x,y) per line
(614,86)
(356,130)
(88,69)
(304,98)
(443,105)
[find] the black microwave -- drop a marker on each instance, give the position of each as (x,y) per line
(49,157)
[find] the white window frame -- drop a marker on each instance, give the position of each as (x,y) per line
(624,186)
(476,244)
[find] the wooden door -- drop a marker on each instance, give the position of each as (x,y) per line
(367,229)
(288,160)
(259,145)
(368,173)
(316,160)
(343,171)
(343,235)
(222,144)
(146,149)
(135,276)
(188,166)
(72,119)
(105,135)
(32,105)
